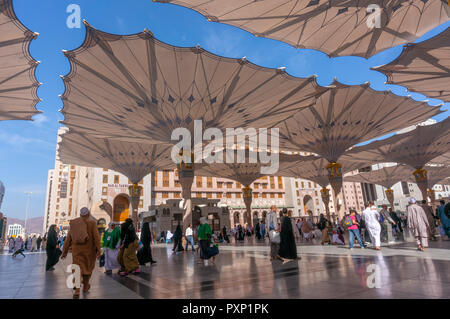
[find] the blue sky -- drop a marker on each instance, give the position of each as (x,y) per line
(27,149)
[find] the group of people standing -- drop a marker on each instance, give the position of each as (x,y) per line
(17,245)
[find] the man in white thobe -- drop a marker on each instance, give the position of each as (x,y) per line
(372,219)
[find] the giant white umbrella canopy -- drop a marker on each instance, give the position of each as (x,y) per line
(386,177)
(18,84)
(423,67)
(316,170)
(415,148)
(435,175)
(345,116)
(134,160)
(137,88)
(338,28)
(246,173)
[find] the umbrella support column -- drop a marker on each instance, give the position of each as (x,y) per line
(248,197)
(135,196)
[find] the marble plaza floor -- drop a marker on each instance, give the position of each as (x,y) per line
(244,271)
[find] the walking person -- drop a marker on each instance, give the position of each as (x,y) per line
(44,242)
(431,218)
(11,243)
(190,237)
(444,216)
(387,224)
(129,244)
(372,219)
(52,248)
(204,236)
(34,243)
(257,231)
(145,253)
(272,229)
(398,224)
(111,245)
(288,249)
(353,229)
(262,229)
(177,240)
(418,223)
(224,234)
(84,239)
(323,225)
(38,243)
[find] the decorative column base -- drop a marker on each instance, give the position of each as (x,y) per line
(390,197)
(335,178)
(421,177)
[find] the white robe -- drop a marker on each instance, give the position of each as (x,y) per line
(371,218)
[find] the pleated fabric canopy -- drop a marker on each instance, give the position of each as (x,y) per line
(134,160)
(441,160)
(338,28)
(414,148)
(246,173)
(386,176)
(136,88)
(348,115)
(423,67)
(437,174)
(18,84)
(316,170)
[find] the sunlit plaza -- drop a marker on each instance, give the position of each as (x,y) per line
(224,149)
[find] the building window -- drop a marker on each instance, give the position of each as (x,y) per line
(199,182)
(303,185)
(165,195)
(280,195)
(228,195)
(208,195)
(219,184)
(272,195)
(105,179)
(116,179)
(104,190)
(209,183)
(238,185)
(264,195)
(238,195)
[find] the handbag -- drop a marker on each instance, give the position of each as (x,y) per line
(275,237)
(212,251)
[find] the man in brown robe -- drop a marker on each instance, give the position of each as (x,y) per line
(84,240)
(430,216)
(418,223)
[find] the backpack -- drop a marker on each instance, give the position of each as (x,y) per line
(79,231)
(348,221)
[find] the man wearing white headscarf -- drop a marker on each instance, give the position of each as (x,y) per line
(418,223)
(372,219)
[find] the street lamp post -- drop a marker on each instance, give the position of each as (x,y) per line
(26,212)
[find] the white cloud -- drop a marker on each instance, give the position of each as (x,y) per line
(19,142)
(39,119)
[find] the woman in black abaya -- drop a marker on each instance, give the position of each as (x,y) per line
(52,248)
(288,249)
(144,255)
(177,237)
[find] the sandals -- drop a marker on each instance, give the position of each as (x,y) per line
(123,273)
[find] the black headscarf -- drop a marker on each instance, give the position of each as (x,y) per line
(128,234)
(288,248)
